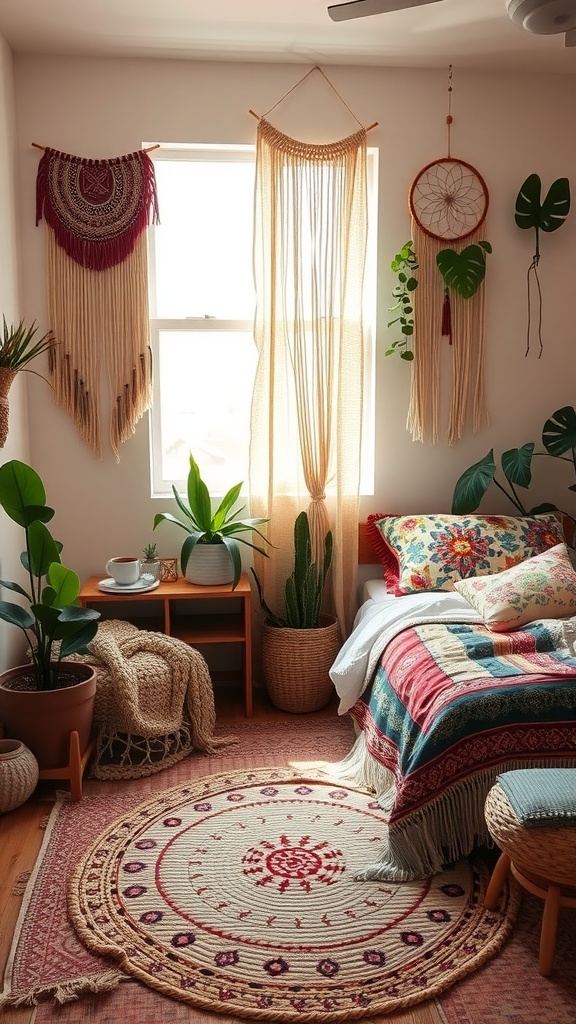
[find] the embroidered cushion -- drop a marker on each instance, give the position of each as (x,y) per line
(421,553)
(543,587)
(541,796)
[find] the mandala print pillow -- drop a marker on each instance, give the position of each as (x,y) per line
(422,553)
(543,587)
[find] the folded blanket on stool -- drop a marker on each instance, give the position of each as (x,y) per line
(154,702)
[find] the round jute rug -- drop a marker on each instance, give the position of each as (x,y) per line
(235,893)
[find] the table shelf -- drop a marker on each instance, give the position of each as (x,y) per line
(170,609)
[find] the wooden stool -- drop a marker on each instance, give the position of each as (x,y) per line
(542,859)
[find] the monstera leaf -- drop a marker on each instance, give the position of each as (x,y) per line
(472,485)
(559,432)
(464,271)
(548,215)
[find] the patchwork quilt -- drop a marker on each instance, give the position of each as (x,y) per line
(449,700)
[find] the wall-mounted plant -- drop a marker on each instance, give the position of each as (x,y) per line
(559,442)
(462,273)
(404,264)
(18,346)
(546,215)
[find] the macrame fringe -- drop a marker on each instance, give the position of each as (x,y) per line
(65,992)
(423,842)
(466,330)
(100,318)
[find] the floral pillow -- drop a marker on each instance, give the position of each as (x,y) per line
(543,587)
(421,553)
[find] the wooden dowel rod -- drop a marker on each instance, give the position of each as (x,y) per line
(148,150)
(369,128)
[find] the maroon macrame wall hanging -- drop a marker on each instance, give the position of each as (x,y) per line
(96,213)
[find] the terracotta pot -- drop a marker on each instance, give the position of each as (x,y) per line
(44,719)
(18,774)
(296,665)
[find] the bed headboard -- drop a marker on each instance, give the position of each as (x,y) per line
(366,553)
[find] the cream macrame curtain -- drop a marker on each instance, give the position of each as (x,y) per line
(309,257)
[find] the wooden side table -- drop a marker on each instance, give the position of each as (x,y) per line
(174,609)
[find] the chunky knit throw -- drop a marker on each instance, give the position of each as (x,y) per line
(154,702)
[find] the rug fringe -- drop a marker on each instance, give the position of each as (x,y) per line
(65,992)
(19,887)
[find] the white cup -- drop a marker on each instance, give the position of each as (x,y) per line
(124,571)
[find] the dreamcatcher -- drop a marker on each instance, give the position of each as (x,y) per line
(448,203)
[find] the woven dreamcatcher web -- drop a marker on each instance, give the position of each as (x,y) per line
(448,203)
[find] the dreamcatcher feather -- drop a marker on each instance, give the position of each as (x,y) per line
(448,204)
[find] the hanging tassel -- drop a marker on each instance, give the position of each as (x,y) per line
(447,317)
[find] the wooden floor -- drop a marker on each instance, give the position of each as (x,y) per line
(21,836)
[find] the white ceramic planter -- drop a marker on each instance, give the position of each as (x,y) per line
(210,565)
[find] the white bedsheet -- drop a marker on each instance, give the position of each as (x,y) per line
(378,621)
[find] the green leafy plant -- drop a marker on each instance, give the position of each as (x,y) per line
(304,588)
(204,526)
(404,264)
(464,271)
(149,550)
(541,215)
(18,345)
(559,442)
(53,623)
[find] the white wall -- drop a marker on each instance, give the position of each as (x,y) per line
(12,642)
(505,124)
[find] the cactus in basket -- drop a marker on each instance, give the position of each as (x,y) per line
(304,588)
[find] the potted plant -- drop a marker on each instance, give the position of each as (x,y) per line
(42,702)
(210,554)
(559,442)
(151,562)
(18,346)
(298,648)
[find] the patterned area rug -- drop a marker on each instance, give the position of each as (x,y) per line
(235,893)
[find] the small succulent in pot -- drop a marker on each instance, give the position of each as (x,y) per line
(149,551)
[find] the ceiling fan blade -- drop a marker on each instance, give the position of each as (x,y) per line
(364,8)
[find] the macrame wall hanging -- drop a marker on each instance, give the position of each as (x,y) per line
(448,203)
(96,213)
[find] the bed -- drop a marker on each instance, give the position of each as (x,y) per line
(461,665)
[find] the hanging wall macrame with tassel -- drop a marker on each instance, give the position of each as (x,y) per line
(96,213)
(448,204)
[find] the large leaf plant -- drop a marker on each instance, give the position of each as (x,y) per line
(559,442)
(50,617)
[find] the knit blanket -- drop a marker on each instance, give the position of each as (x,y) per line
(154,701)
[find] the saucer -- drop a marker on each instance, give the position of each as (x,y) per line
(141,586)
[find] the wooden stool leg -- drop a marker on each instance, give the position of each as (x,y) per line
(549,929)
(496,883)
(75,767)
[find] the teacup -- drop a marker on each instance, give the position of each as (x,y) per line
(124,571)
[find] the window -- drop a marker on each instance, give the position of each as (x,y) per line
(202,305)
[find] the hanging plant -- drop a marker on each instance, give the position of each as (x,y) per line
(548,215)
(462,273)
(404,264)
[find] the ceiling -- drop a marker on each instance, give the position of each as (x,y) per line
(475,34)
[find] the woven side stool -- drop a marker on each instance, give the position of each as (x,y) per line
(531,815)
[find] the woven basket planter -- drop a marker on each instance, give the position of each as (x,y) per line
(6,378)
(296,663)
(18,774)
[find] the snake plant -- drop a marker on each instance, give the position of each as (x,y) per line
(304,588)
